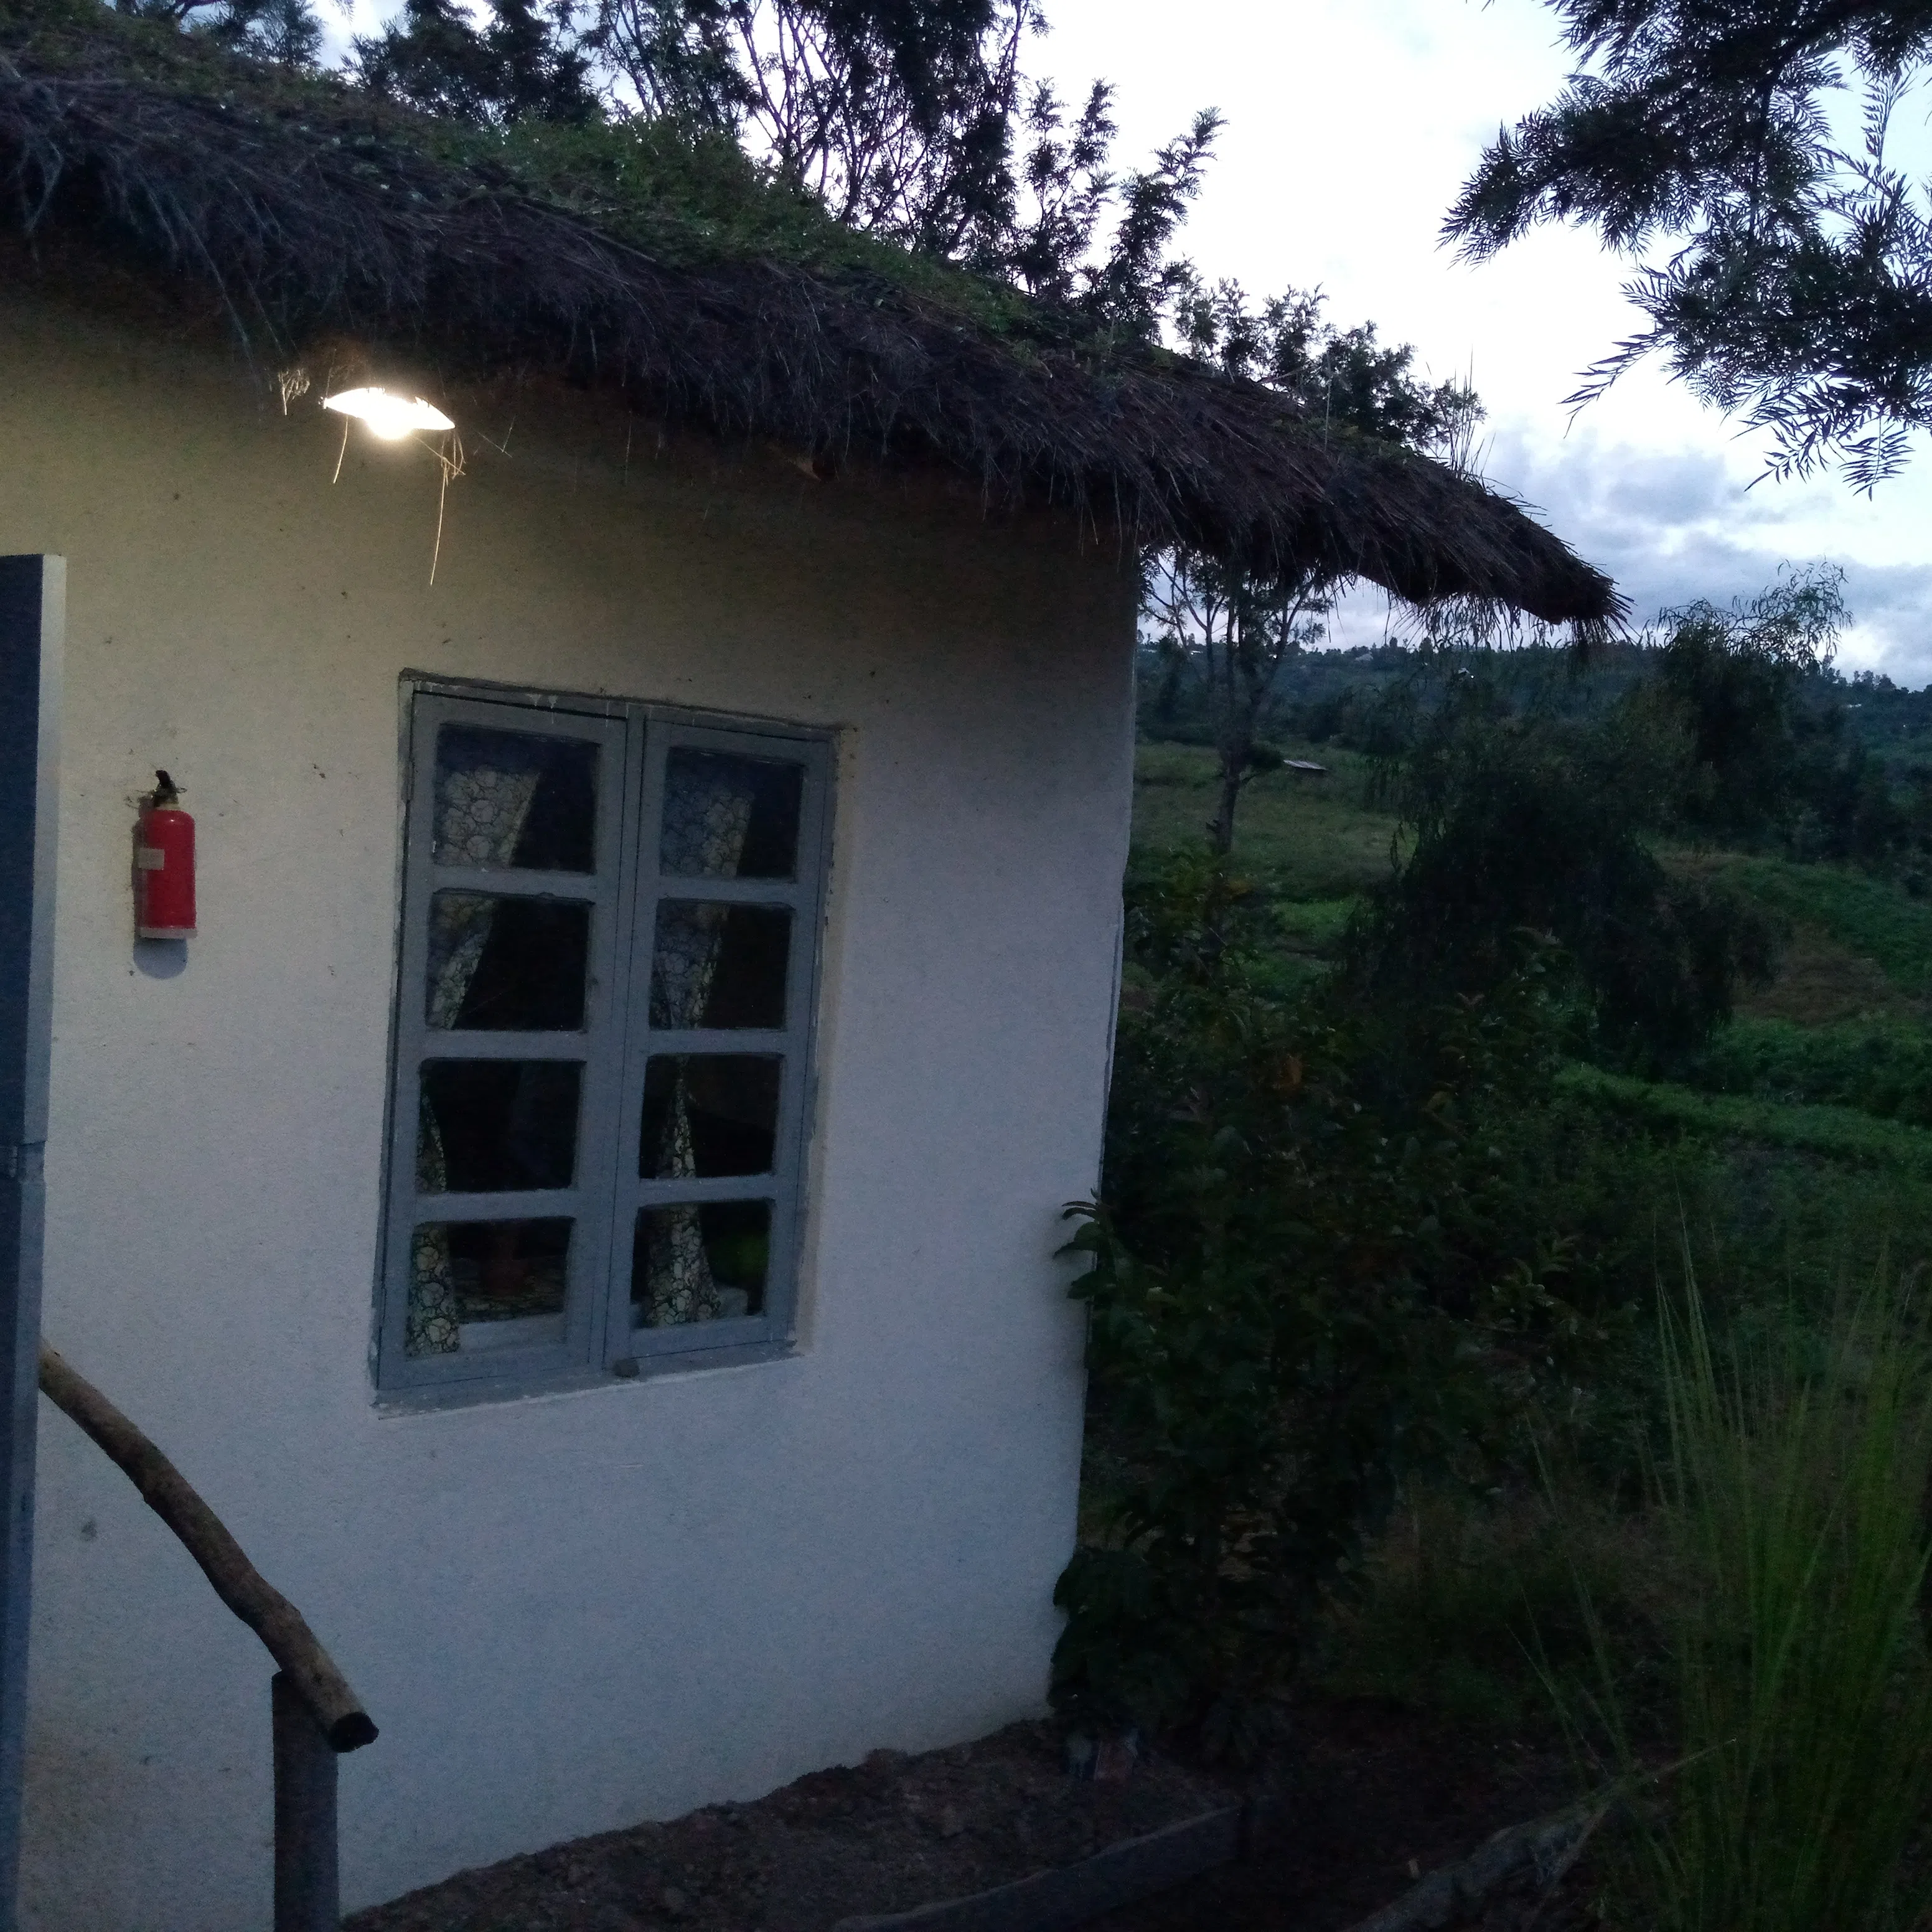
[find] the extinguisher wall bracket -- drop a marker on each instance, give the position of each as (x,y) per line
(164,865)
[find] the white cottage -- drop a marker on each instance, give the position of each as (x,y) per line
(582,1206)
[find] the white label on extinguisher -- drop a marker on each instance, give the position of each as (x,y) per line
(150,859)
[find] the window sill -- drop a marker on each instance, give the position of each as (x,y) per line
(480,1392)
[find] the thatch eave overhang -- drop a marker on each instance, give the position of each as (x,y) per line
(308,210)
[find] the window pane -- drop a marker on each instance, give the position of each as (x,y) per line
(511,798)
(719,965)
(703,1263)
(506,963)
(464,1272)
(490,1125)
(729,817)
(709,1114)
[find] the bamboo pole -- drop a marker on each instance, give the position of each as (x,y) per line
(239,1584)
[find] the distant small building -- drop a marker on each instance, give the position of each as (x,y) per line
(582,1206)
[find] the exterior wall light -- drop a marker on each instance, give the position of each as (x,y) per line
(392,417)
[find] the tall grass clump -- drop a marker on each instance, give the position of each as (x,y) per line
(1793,1483)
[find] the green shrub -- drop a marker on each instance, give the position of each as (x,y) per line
(1878,1066)
(1303,1284)
(1468,1595)
(1538,822)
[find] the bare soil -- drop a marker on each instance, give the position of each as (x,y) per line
(1819,982)
(883,1836)
(1362,1799)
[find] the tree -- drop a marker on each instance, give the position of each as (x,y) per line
(1238,631)
(1237,635)
(286,31)
(524,61)
(676,57)
(1735,677)
(894,114)
(1530,825)
(912,119)
(1796,290)
(907,118)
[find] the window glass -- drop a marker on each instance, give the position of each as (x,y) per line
(709,1114)
(730,817)
(717,965)
(506,964)
(512,798)
(704,1262)
(463,1274)
(492,1125)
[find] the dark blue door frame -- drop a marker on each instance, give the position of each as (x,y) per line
(33,610)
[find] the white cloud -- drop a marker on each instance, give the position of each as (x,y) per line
(1352,124)
(1676,524)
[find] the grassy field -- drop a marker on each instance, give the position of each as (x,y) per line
(1838,1133)
(1872,919)
(1833,1059)
(1302,839)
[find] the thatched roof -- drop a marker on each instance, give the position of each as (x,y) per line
(305,208)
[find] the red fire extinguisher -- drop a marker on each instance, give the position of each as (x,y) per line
(164,866)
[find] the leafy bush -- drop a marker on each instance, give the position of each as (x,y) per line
(1468,1594)
(1303,1285)
(1735,677)
(1537,821)
(1359,1241)
(1879,1067)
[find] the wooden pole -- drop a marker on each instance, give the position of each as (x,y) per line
(239,1584)
(308,1895)
(33,610)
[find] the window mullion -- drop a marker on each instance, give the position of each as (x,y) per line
(613,1316)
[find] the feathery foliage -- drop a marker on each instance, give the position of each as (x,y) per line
(1795,287)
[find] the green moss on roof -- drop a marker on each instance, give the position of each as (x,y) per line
(707,200)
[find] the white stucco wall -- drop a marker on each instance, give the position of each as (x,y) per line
(569,1612)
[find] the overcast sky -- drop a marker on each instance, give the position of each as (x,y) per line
(1351,124)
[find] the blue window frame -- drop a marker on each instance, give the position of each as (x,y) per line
(609,959)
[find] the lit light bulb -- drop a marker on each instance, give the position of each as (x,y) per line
(392,417)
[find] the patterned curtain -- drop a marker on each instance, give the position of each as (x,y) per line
(480,813)
(707,811)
